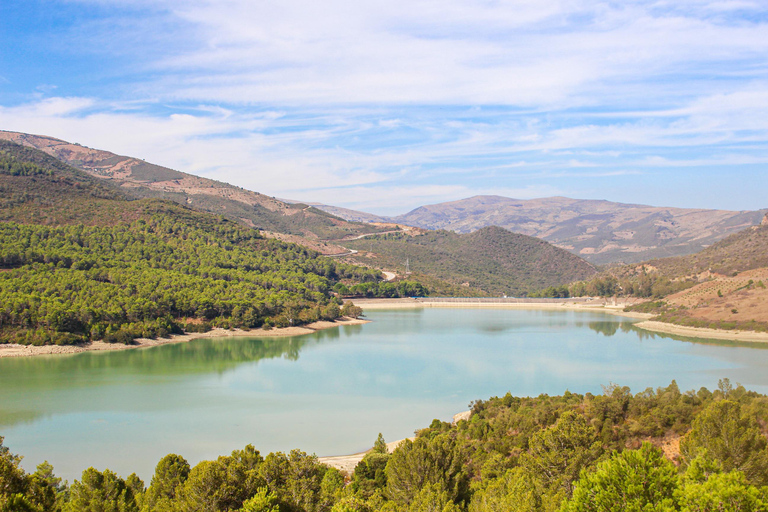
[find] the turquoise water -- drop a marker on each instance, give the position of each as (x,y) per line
(332,392)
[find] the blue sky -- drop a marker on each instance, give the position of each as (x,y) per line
(383,106)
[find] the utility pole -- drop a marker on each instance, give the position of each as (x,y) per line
(407,268)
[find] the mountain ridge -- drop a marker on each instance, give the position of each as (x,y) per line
(600,231)
(146,180)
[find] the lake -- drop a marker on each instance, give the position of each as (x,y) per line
(333,391)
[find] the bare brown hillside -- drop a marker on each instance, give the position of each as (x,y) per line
(732,288)
(142,179)
(730,302)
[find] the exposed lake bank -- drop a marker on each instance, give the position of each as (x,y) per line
(15,350)
(593,305)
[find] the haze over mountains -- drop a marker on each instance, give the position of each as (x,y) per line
(601,232)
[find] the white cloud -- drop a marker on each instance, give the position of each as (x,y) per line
(527,53)
(409,102)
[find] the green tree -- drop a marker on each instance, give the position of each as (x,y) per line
(380,446)
(223,484)
(433,498)
(46,489)
(262,501)
(708,490)
(415,464)
(725,433)
(170,473)
(101,491)
(351,504)
(558,453)
(13,480)
(370,475)
(298,481)
(517,490)
(350,310)
(631,481)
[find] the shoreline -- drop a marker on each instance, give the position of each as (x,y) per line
(347,463)
(15,350)
(594,306)
(600,306)
(703,332)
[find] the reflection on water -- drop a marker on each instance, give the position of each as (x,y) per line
(608,328)
(332,391)
(205,355)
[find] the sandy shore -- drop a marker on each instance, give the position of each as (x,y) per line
(701,332)
(14,350)
(347,463)
(601,306)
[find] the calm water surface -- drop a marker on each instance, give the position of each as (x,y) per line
(333,391)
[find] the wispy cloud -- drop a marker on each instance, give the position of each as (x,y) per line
(400,103)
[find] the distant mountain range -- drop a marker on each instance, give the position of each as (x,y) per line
(602,232)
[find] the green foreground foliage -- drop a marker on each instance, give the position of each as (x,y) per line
(568,453)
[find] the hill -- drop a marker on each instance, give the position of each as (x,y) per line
(724,285)
(141,179)
(80,261)
(602,232)
(491,259)
(745,250)
(295,222)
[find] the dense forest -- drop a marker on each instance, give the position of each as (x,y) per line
(491,261)
(80,262)
(656,450)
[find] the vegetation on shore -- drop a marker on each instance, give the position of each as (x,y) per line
(742,251)
(168,273)
(722,287)
(659,449)
(81,262)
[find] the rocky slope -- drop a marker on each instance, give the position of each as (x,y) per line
(142,179)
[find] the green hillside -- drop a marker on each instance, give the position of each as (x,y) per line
(492,259)
(80,261)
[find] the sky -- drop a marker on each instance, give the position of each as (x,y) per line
(383,106)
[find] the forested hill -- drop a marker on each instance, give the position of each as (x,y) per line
(141,179)
(491,259)
(79,261)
